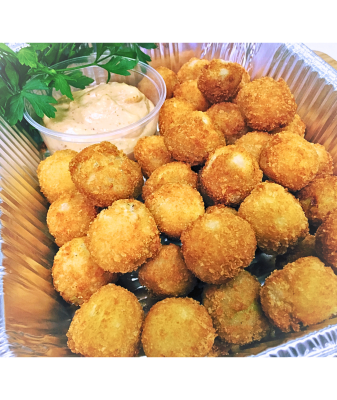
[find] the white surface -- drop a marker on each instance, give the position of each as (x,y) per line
(328,48)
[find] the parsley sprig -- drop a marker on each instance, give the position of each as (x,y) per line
(29,70)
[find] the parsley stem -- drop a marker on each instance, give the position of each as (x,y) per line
(83,66)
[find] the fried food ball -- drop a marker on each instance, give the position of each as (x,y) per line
(193,139)
(189,91)
(267,104)
(219,80)
(105,174)
(220,208)
(289,160)
(326,164)
(75,274)
(174,172)
(172,112)
(167,275)
(191,69)
(174,206)
(123,237)
(178,327)
(305,248)
(217,246)
(276,217)
(229,175)
(245,79)
(319,198)
(253,142)
(54,176)
(107,325)
(70,216)
(150,152)
(235,309)
(170,79)
(302,293)
(326,240)
(227,118)
(295,126)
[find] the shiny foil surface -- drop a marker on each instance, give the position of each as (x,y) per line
(34,319)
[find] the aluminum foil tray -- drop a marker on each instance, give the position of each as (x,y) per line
(34,319)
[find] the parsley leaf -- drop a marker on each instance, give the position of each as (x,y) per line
(120,65)
(13,76)
(61,84)
(78,80)
(14,108)
(41,104)
(27,56)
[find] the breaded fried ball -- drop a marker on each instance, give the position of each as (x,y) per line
(54,176)
(276,217)
(229,175)
(235,309)
(150,153)
(289,160)
(326,164)
(227,118)
(178,327)
(123,237)
(189,91)
(170,79)
(267,104)
(217,246)
(172,112)
(302,293)
(75,275)
(305,248)
(319,198)
(107,325)
(220,208)
(191,69)
(295,126)
(174,172)
(104,174)
(326,240)
(245,79)
(193,139)
(70,216)
(253,142)
(174,206)
(166,275)
(219,80)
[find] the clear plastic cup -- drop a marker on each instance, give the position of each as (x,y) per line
(148,81)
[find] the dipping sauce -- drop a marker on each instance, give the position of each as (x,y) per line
(102,108)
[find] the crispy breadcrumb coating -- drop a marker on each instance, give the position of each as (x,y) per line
(174,206)
(178,327)
(170,79)
(245,79)
(219,80)
(220,208)
(167,275)
(107,325)
(191,69)
(174,172)
(326,240)
(253,142)
(193,139)
(54,176)
(267,104)
(172,112)
(235,309)
(75,275)
(319,198)
(104,174)
(217,246)
(123,237)
(276,217)
(229,175)
(70,216)
(289,160)
(305,248)
(325,160)
(302,293)
(189,91)
(227,118)
(295,126)
(150,152)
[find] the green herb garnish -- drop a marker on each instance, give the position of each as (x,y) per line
(30,69)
